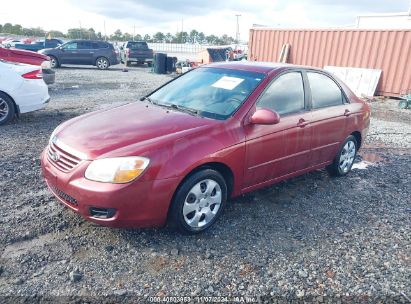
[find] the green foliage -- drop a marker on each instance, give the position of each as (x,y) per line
(81,33)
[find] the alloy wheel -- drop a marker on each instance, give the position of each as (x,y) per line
(202,203)
(347,156)
(53,62)
(102,63)
(4,109)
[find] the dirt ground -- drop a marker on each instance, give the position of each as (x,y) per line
(313,236)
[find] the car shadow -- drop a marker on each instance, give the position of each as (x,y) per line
(284,217)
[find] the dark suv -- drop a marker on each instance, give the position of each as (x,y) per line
(136,51)
(102,54)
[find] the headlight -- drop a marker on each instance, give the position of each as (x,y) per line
(117,170)
(46,64)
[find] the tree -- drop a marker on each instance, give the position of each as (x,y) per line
(7,27)
(169,37)
(159,37)
(201,37)
(211,39)
(138,37)
(193,36)
(117,36)
(17,29)
(147,38)
(182,37)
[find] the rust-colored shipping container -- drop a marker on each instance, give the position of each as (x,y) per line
(388,50)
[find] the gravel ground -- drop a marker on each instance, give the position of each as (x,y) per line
(313,236)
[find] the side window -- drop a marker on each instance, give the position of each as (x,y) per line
(70,46)
(102,45)
(84,45)
(324,91)
(285,95)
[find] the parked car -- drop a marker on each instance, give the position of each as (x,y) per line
(22,90)
(214,133)
(28,57)
(12,42)
(137,52)
(101,54)
(39,45)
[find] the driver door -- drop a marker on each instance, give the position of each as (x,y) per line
(69,53)
(275,151)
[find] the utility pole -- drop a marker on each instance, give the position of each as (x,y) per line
(81,34)
(105,33)
(134,32)
(182,29)
(237,34)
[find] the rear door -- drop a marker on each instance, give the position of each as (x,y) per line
(330,111)
(275,151)
(85,52)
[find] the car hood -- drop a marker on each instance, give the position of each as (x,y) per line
(102,132)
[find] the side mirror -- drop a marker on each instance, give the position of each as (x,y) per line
(265,117)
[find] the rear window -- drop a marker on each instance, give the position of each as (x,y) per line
(324,91)
(137,45)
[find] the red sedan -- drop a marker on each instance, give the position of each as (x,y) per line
(211,134)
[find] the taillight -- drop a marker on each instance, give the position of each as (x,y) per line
(33,75)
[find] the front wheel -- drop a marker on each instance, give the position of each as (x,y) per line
(54,62)
(102,63)
(198,202)
(345,158)
(7,109)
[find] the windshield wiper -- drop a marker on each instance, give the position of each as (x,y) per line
(182,109)
(148,99)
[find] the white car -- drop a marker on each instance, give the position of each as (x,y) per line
(12,43)
(22,90)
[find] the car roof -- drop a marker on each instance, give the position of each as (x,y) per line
(257,66)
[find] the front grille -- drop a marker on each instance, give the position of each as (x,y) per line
(65,197)
(61,159)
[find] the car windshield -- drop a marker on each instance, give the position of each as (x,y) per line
(210,92)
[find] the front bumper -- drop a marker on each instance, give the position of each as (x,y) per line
(137,204)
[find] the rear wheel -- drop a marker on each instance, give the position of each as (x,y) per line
(102,63)
(198,202)
(7,109)
(345,158)
(54,62)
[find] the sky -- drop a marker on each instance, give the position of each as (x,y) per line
(211,16)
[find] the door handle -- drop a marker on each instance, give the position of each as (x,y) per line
(302,123)
(347,112)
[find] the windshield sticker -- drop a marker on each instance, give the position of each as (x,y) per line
(227,83)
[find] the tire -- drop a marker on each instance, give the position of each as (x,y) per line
(149,64)
(198,202)
(345,158)
(54,62)
(7,109)
(102,63)
(403,104)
